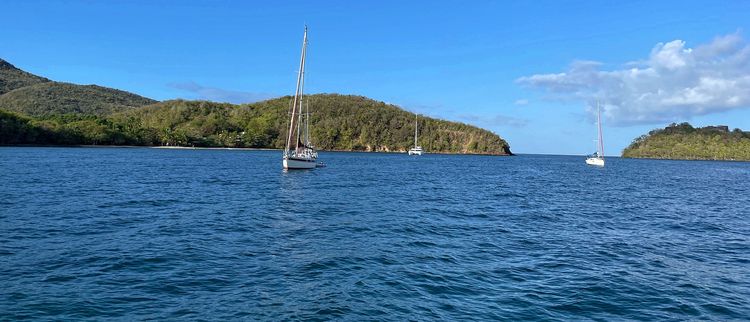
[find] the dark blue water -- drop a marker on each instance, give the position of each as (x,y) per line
(132,234)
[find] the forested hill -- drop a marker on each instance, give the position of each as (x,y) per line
(62,98)
(32,95)
(35,110)
(12,78)
(338,122)
(683,141)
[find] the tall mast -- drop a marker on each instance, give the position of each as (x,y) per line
(307,122)
(297,94)
(415,130)
(302,99)
(299,122)
(599,128)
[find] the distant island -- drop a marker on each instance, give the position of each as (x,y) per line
(38,111)
(683,141)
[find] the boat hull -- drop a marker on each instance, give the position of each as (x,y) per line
(415,152)
(299,163)
(595,161)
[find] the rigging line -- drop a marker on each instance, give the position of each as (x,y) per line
(301,89)
(297,92)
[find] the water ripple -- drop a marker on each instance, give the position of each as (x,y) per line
(137,234)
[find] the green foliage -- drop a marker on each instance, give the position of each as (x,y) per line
(16,129)
(39,111)
(348,122)
(12,78)
(53,98)
(32,95)
(338,122)
(683,141)
(71,129)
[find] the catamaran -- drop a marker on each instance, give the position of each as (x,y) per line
(597,158)
(416,150)
(299,152)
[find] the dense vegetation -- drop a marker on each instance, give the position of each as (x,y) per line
(339,122)
(683,141)
(47,112)
(69,129)
(32,95)
(12,78)
(51,98)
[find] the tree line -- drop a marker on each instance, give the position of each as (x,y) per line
(683,141)
(338,122)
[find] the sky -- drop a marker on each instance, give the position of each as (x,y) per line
(530,71)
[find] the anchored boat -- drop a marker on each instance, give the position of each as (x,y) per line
(416,149)
(299,152)
(597,158)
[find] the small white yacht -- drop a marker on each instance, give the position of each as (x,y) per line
(299,152)
(597,159)
(416,149)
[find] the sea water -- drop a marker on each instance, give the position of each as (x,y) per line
(139,233)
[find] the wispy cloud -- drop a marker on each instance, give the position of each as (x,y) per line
(440,111)
(493,120)
(433,110)
(521,102)
(220,95)
(673,83)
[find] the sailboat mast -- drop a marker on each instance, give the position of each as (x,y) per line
(599,128)
(299,123)
(301,89)
(302,102)
(307,122)
(297,93)
(415,129)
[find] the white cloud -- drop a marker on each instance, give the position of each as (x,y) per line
(493,120)
(521,102)
(671,55)
(220,95)
(673,84)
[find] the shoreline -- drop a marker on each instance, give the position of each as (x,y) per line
(335,151)
(694,159)
(132,147)
(173,147)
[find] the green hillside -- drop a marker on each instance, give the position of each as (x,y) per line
(338,122)
(69,129)
(38,111)
(50,98)
(16,129)
(683,141)
(12,78)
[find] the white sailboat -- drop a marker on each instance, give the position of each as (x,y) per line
(299,152)
(597,158)
(416,149)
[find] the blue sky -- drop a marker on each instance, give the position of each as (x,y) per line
(527,70)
